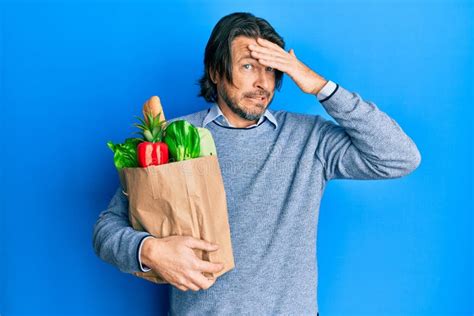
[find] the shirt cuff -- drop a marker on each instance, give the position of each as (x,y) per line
(327,91)
(144,268)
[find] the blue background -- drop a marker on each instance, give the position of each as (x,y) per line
(74,74)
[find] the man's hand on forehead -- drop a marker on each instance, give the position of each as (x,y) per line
(271,55)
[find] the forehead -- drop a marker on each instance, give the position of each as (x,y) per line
(240,46)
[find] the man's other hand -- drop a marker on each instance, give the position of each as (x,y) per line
(174,259)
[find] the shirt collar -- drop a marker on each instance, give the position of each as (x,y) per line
(215,114)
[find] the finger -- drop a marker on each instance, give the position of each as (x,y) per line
(206,266)
(184,283)
(192,285)
(258,55)
(269,52)
(269,44)
(181,287)
(201,281)
(266,50)
(274,64)
(201,244)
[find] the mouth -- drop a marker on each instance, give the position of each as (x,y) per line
(263,99)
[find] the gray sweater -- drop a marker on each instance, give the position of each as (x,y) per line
(274,177)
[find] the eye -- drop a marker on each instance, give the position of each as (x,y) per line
(245,66)
(270,69)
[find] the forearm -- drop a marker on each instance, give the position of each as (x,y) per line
(114,240)
(375,147)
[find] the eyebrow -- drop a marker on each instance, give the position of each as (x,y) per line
(245,57)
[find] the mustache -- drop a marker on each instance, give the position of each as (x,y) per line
(259,94)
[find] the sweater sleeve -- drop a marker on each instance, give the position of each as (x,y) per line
(143,267)
(114,239)
(366,144)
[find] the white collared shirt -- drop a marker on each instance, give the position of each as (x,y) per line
(215,113)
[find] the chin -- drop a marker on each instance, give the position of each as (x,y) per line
(255,109)
(255,103)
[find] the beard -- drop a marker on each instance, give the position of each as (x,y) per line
(250,115)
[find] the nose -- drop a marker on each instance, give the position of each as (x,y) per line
(263,80)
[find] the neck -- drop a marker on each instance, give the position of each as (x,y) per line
(233,118)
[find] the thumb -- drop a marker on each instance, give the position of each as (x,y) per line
(202,244)
(292,52)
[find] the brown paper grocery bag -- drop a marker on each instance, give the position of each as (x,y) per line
(185,198)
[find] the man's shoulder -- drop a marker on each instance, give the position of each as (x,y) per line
(194,118)
(290,118)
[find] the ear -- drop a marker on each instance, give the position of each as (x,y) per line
(213,76)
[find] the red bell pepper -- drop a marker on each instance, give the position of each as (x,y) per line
(152,154)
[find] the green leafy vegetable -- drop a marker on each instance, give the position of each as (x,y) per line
(125,155)
(183,140)
(208,147)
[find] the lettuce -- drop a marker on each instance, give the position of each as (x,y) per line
(183,140)
(125,155)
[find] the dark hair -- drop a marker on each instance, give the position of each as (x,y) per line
(218,54)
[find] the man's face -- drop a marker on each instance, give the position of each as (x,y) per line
(254,83)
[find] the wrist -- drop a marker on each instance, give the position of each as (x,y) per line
(146,256)
(320,83)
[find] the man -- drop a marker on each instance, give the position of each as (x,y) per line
(275,166)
